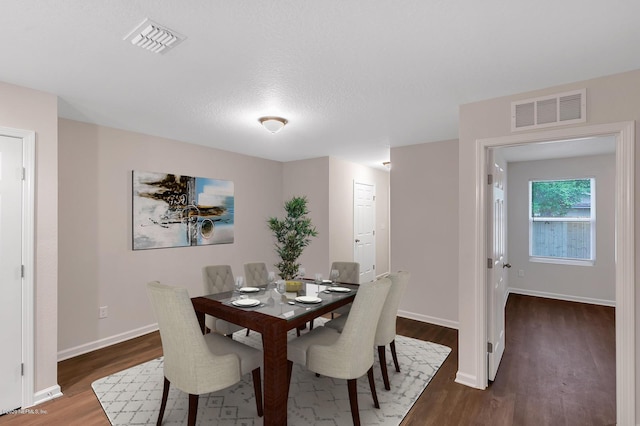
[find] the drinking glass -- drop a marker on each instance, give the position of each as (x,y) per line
(318,278)
(281,288)
(271,277)
(334,276)
(239,283)
(301,272)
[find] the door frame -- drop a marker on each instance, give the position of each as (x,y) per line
(28,249)
(624,247)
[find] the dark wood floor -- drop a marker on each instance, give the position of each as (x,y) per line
(558,369)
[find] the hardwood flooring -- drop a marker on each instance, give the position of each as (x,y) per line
(558,369)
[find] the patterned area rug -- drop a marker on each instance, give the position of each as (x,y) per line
(132,396)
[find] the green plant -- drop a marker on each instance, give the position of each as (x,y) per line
(293,234)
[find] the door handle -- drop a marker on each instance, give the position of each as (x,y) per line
(357,241)
(506,265)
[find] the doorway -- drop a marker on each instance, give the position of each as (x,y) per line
(624,134)
(364,196)
(17,173)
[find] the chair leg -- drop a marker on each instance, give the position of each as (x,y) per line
(163,403)
(289,371)
(247,331)
(383,366)
(394,355)
(193,409)
(311,325)
(353,401)
(372,385)
(257,390)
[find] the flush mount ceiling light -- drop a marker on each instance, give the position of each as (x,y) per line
(273,124)
(154,37)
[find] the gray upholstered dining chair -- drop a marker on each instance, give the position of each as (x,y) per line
(256,273)
(218,279)
(195,363)
(386,330)
(345,355)
(348,272)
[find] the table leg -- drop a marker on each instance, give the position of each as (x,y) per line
(274,343)
(200,316)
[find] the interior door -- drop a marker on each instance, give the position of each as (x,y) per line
(496,263)
(10,273)
(364,229)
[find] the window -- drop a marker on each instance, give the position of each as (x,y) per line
(562,221)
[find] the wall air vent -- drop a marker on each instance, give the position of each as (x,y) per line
(154,37)
(548,111)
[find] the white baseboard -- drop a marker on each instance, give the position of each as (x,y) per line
(566,297)
(428,319)
(107,341)
(46,395)
(467,380)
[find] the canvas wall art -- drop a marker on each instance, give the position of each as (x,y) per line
(171,210)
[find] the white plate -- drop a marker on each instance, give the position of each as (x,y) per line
(249,290)
(308,299)
(339,289)
(245,303)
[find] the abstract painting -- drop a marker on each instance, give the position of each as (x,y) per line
(171,210)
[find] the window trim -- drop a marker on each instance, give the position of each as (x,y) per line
(591,219)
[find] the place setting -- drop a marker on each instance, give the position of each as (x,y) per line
(245,301)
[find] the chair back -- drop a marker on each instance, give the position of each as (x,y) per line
(351,356)
(256,273)
(348,272)
(217,279)
(386,331)
(188,362)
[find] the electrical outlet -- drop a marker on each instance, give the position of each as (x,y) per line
(103,312)
(521,273)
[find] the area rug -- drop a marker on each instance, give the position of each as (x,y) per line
(132,396)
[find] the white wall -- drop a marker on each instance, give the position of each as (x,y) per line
(610,99)
(97,264)
(27,109)
(590,284)
(424,229)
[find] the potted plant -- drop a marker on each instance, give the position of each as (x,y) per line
(293,234)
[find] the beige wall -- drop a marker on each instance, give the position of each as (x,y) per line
(591,284)
(424,229)
(609,99)
(27,109)
(311,179)
(97,264)
(328,184)
(342,175)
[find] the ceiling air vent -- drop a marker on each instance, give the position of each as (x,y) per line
(154,37)
(547,111)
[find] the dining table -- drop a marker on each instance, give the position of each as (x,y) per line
(262,309)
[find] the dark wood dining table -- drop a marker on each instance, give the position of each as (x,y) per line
(273,318)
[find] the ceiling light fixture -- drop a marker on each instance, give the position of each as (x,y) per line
(273,124)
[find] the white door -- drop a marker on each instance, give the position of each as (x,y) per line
(10,273)
(496,231)
(364,196)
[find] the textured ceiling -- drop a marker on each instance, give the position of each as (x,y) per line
(353,77)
